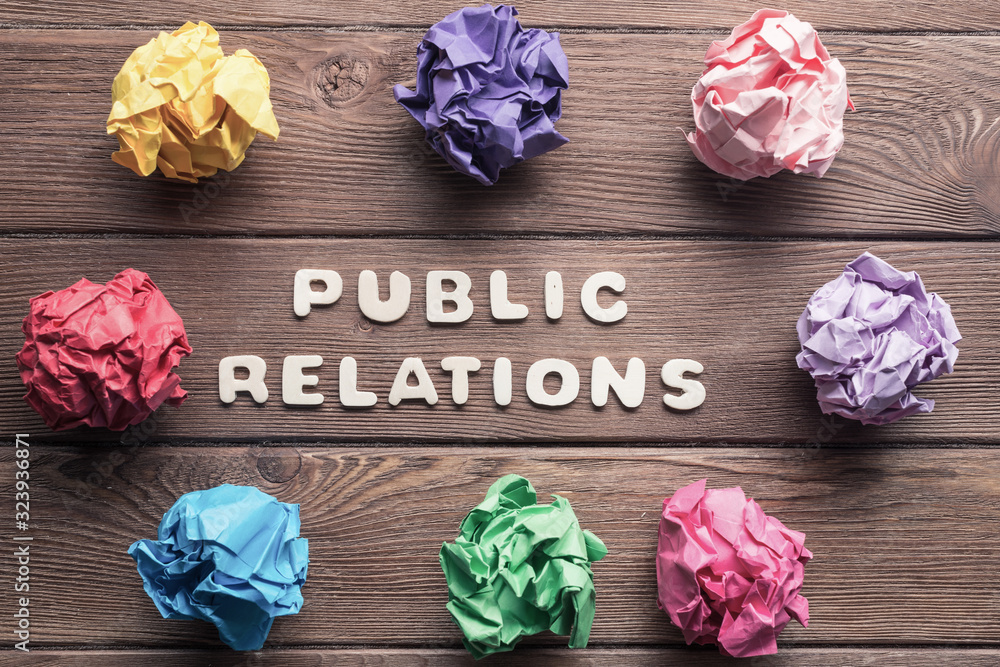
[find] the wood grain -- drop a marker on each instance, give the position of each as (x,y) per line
(920,158)
(523,657)
(863,15)
(731,306)
(902,519)
(902,538)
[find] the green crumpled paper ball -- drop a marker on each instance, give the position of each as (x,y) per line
(518,567)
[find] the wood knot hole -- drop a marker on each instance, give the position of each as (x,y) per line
(280,465)
(341,79)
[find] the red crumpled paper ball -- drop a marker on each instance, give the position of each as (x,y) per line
(102,355)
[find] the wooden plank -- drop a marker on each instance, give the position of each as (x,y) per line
(864,15)
(904,539)
(524,656)
(920,160)
(731,306)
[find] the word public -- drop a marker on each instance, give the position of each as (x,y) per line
(248,373)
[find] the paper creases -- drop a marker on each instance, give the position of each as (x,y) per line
(488,92)
(179,104)
(771,98)
(230,555)
(871,336)
(102,355)
(727,573)
(518,568)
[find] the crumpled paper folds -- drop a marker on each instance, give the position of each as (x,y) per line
(230,555)
(518,568)
(181,105)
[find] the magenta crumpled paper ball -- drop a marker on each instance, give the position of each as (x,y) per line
(871,336)
(727,573)
(102,355)
(771,98)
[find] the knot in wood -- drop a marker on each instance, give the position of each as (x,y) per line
(341,79)
(279,466)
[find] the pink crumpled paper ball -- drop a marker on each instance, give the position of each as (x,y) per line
(727,573)
(771,98)
(102,355)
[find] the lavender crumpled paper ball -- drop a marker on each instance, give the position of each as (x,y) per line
(488,91)
(872,335)
(230,555)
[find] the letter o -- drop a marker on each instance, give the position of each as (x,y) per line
(569,382)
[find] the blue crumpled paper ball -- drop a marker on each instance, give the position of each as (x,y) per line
(231,556)
(488,91)
(870,337)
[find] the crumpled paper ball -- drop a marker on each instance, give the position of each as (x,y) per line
(518,568)
(102,355)
(771,98)
(872,335)
(179,104)
(727,573)
(488,91)
(231,556)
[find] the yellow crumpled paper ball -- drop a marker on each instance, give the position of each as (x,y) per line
(179,104)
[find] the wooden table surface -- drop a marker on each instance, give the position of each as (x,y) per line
(903,519)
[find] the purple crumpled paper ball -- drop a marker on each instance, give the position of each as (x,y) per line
(488,91)
(872,335)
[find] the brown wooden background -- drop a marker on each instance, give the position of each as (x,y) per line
(903,519)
